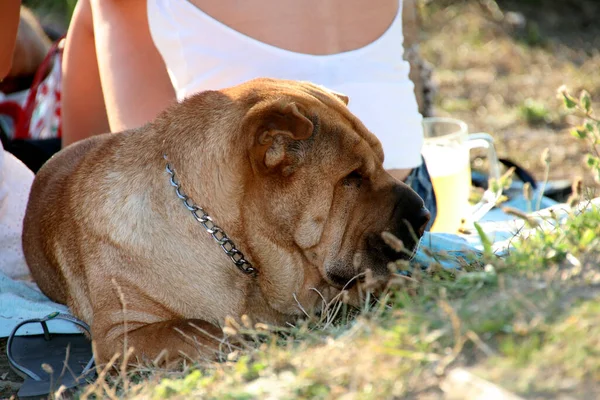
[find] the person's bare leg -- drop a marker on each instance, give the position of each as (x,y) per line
(9,23)
(83,111)
(135,81)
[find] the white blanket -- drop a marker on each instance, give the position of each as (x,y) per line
(21,300)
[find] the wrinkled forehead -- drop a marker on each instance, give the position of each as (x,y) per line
(334,116)
(356,146)
(327,110)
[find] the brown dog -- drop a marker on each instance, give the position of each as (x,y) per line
(291,176)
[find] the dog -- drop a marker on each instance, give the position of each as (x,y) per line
(121,227)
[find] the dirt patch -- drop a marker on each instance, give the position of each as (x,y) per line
(502,78)
(9,381)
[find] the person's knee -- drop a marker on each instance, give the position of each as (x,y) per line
(82,17)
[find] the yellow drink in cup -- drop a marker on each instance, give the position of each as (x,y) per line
(446,153)
(451,178)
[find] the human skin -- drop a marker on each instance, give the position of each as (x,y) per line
(9,24)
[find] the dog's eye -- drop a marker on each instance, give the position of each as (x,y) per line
(354,178)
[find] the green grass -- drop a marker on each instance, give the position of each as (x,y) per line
(534,112)
(57,11)
(561,354)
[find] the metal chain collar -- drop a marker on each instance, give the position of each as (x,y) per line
(213,229)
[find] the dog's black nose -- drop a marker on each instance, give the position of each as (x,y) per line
(420,220)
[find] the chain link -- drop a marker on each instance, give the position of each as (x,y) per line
(218,234)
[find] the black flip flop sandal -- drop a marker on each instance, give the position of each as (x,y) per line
(50,360)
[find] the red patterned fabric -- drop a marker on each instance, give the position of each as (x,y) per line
(39,116)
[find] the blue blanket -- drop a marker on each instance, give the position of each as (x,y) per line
(499,227)
(21,300)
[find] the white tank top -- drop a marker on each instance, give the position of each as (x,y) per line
(202,53)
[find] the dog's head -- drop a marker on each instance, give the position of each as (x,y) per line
(317,197)
(305,181)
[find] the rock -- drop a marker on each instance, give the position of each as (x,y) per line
(515,20)
(462,384)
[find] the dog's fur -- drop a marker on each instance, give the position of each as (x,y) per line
(283,167)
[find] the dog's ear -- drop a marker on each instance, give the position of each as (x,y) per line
(341,96)
(277,128)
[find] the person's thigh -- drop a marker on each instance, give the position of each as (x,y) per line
(135,81)
(9,22)
(83,111)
